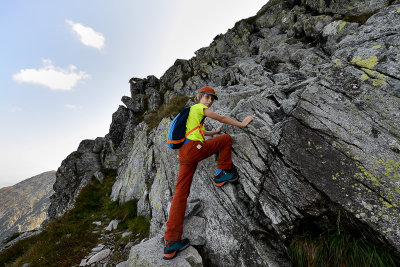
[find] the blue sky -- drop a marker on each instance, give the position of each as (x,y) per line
(66,64)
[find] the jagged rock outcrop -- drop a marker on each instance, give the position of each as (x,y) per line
(75,172)
(23,206)
(323,80)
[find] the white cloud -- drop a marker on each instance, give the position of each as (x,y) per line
(87,35)
(50,76)
(72,107)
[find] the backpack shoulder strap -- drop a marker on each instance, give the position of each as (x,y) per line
(200,127)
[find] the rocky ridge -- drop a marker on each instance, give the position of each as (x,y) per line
(323,79)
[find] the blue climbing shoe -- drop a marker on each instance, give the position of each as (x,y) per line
(225,176)
(171,248)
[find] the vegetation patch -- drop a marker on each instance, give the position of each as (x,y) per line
(174,106)
(362,19)
(65,241)
(337,248)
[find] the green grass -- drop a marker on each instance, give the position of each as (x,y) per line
(337,249)
(68,239)
(174,106)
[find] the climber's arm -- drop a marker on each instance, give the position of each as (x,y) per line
(227,120)
(208,133)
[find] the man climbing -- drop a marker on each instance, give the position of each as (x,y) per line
(195,149)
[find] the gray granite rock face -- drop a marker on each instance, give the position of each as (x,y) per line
(325,92)
(136,166)
(323,80)
(352,8)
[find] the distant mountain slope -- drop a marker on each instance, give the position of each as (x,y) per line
(23,206)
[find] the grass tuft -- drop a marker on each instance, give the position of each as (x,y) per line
(174,106)
(337,249)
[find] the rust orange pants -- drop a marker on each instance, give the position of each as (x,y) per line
(189,156)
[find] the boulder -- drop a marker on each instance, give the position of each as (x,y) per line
(99,256)
(150,253)
(113,225)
